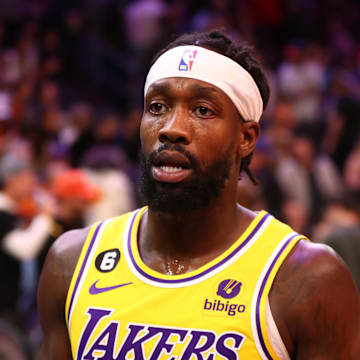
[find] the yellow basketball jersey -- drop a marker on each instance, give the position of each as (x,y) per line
(118,308)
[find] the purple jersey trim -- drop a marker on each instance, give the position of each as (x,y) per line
(82,268)
(262,287)
(212,268)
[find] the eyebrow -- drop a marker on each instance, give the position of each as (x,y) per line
(195,89)
(203,90)
(160,88)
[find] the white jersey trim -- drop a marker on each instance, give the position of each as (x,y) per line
(256,328)
(274,334)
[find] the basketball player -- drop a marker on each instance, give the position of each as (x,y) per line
(194,275)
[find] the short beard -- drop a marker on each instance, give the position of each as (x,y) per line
(194,194)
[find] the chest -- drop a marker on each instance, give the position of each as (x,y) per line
(118,308)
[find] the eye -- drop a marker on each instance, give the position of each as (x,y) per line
(157,108)
(203,111)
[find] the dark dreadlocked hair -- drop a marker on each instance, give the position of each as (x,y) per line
(242,54)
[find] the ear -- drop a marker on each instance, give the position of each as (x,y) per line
(248,136)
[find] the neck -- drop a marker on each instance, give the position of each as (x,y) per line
(188,241)
(194,232)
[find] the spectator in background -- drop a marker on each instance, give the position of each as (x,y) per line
(79,133)
(79,121)
(343,131)
(352,170)
(74,193)
(144,22)
(51,56)
(340,229)
(19,240)
(302,76)
(308,177)
(263,165)
(283,115)
(107,167)
(5,100)
(346,242)
(342,212)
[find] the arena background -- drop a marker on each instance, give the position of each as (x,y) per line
(71,96)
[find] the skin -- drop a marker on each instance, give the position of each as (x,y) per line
(313,299)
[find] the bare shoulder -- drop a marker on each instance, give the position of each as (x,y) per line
(52,292)
(66,250)
(60,264)
(316,305)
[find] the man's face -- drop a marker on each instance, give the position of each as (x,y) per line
(189,133)
(22,184)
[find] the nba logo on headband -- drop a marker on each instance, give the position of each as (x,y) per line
(187,60)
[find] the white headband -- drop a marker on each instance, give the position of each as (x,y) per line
(198,63)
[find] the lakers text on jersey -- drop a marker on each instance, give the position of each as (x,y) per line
(118,308)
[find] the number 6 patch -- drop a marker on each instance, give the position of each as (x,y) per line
(107,260)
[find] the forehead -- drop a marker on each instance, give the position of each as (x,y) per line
(177,86)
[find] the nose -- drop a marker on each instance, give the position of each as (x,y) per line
(176,128)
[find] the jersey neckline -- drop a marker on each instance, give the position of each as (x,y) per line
(153,277)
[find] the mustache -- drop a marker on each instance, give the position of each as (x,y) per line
(194,162)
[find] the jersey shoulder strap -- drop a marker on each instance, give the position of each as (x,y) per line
(91,243)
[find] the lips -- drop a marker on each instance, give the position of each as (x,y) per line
(171,158)
(170,167)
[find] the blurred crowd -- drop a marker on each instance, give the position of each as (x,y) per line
(71,96)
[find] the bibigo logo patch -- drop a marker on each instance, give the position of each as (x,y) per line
(226,289)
